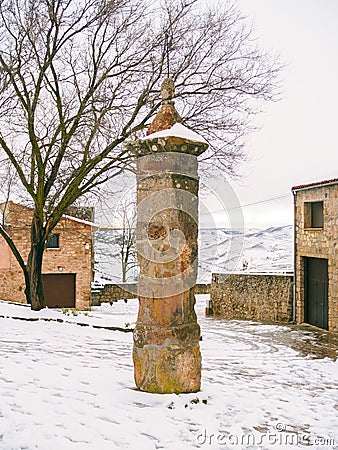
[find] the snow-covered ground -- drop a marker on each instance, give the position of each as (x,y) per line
(220,250)
(65,386)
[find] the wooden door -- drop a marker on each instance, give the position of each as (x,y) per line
(59,290)
(316,292)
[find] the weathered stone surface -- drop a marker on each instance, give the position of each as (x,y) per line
(167,116)
(265,297)
(163,145)
(154,334)
(168,368)
(166,352)
(115,292)
(166,338)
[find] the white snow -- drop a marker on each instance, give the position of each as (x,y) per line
(177,130)
(65,386)
(85,222)
(222,250)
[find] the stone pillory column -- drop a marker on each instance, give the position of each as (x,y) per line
(166,350)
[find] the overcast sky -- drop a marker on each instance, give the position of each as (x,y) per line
(297,138)
(297,141)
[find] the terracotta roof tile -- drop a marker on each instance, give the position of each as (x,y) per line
(315,184)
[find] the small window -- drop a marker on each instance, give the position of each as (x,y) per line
(313,215)
(53,241)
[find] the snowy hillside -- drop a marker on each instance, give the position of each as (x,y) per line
(220,250)
(263,250)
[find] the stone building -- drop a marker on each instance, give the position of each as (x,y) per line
(67,265)
(316,271)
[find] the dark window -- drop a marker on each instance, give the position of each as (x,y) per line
(53,241)
(313,214)
(317,219)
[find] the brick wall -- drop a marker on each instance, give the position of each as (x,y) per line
(317,243)
(266,297)
(71,257)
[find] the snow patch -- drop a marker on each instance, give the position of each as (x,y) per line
(177,130)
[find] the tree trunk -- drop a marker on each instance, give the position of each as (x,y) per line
(124,273)
(34,290)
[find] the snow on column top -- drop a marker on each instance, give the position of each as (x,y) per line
(167,121)
(177,130)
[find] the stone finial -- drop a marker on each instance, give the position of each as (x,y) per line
(167,90)
(167,116)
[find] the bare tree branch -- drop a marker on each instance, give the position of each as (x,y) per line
(79,78)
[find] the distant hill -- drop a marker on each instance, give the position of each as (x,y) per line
(254,250)
(220,250)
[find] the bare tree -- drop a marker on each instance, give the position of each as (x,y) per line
(118,241)
(126,239)
(79,77)
(7,182)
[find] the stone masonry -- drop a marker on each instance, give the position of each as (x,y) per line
(73,256)
(118,291)
(166,349)
(318,242)
(265,297)
(113,293)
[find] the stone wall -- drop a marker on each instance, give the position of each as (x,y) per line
(317,243)
(202,288)
(71,257)
(115,292)
(265,297)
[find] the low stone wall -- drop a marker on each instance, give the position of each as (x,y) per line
(202,288)
(115,292)
(265,297)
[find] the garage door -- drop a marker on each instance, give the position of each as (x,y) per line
(316,292)
(59,290)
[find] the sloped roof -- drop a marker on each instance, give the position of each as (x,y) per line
(64,216)
(85,222)
(315,184)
